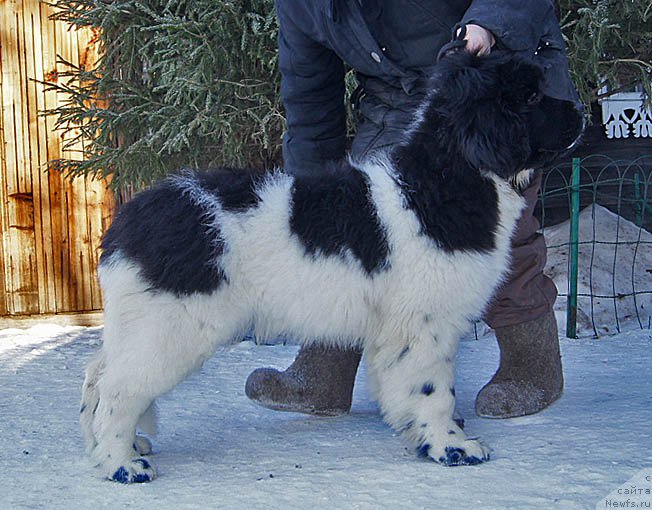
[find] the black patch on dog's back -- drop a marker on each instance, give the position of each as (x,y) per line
(235,189)
(333,213)
(166,234)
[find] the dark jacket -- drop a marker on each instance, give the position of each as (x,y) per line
(392,45)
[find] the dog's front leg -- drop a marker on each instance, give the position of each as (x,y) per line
(417,398)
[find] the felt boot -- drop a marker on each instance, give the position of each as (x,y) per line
(530,376)
(319,381)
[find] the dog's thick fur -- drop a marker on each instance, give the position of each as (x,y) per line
(397,254)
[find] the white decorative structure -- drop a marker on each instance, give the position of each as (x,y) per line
(625,114)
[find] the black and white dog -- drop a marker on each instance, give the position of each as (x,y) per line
(397,253)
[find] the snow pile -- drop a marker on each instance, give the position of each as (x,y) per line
(618,263)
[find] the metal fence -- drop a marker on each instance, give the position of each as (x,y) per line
(596,214)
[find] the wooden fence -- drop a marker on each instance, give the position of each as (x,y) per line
(51,227)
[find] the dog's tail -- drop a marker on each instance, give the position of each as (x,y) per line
(91,399)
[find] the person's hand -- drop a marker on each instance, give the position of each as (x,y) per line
(479,40)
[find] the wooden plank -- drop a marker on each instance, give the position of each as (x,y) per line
(24,183)
(11,100)
(56,194)
(23,281)
(24,291)
(99,201)
(8,57)
(4,308)
(59,199)
(101,205)
(44,63)
(94,195)
(75,202)
(23,226)
(32,24)
(81,207)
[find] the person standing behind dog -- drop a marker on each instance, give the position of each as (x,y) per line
(392,46)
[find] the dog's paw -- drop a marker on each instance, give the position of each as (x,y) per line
(469,452)
(142,445)
(134,471)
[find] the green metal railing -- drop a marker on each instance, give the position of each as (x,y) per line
(625,189)
(573,251)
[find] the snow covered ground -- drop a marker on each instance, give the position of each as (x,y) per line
(216,449)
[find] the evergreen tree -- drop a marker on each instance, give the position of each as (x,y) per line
(177,84)
(195,83)
(609,45)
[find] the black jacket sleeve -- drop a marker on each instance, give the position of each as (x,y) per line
(312,90)
(529,27)
(516,24)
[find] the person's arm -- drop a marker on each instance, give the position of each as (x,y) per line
(312,89)
(529,27)
(516,24)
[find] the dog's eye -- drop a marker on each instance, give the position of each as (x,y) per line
(535,98)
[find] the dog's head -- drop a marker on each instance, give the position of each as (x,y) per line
(498,115)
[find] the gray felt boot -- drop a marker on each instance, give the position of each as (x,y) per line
(319,381)
(530,376)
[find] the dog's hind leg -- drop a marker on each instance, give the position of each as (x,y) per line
(90,403)
(151,342)
(417,397)
(114,428)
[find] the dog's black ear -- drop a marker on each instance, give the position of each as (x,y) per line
(493,138)
(484,99)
